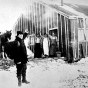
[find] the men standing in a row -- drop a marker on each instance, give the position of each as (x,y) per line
(20,58)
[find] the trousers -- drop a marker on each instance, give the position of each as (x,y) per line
(21,70)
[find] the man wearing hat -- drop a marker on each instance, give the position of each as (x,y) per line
(20,58)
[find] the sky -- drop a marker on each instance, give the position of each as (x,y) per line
(10,11)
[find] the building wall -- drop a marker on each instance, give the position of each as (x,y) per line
(41,19)
(38,18)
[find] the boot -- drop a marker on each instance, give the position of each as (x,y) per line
(24,80)
(19,81)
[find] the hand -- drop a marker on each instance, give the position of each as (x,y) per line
(19,63)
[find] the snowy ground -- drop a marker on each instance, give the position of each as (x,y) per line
(49,73)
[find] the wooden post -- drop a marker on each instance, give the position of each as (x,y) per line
(67,40)
(78,38)
(85,34)
(65,34)
(61,34)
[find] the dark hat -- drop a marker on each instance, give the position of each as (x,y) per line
(19,32)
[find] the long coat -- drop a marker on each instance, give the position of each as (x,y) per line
(20,54)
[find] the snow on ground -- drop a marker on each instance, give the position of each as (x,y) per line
(49,73)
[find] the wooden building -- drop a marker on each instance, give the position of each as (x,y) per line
(71,28)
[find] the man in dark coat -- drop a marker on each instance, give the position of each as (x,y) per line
(20,58)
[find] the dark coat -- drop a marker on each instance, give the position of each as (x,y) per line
(20,51)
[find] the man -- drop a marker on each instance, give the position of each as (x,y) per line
(20,58)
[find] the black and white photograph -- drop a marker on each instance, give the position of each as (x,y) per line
(43,44)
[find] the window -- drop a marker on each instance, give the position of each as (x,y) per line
(87,23)
(80,23)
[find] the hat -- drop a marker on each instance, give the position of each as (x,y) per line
(19,32)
